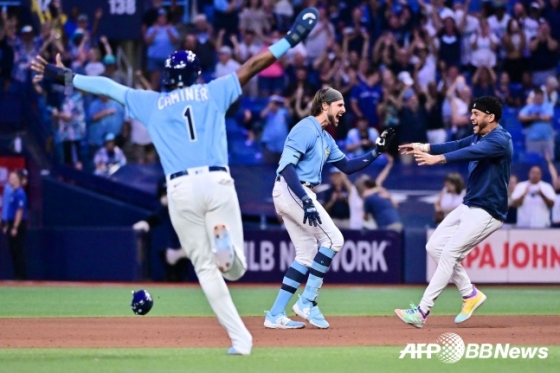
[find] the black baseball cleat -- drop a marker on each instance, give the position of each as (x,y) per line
(304,23)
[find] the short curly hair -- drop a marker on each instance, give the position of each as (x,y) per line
(489,105)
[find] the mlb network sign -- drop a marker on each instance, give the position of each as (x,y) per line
(450,348)
(512,255)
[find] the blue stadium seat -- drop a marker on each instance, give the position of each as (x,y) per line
(556,118)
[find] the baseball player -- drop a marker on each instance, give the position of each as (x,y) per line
(316,238)
(489,152)
(187,126)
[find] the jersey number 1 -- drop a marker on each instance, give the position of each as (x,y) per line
(191,128)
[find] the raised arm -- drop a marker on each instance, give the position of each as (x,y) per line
(93,84)
(484,149)
(304,23)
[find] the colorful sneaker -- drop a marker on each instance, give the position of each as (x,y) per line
(412,316)
(225,252)
(281,321)
(470,304)
(310,312)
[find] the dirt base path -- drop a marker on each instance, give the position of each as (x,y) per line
(206,332)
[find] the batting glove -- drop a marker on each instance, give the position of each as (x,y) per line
(304,23)
(384,140)
(141,226)
(310,213)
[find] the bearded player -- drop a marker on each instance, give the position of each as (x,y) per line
(315,236)
(489,152)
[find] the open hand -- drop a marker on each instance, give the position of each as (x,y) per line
(425,159)
(411,147)
(39,63)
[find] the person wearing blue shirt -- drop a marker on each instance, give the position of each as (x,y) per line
(187,127)
(276,119)
(489,152)
(315,236)
(366,96)
(15,226)
(538,119)
(106,116)
(379,204)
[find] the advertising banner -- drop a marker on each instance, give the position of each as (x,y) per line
(514,256)
(371,257)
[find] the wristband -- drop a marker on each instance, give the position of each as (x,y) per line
(280,48)
(59,75)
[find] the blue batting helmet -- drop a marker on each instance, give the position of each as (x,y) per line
(182,69)
(142,302)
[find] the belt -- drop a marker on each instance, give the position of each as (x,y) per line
(197,170)
(304,183)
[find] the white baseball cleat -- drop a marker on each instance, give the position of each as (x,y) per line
(224,253)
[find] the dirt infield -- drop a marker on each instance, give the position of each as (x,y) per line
(206,332)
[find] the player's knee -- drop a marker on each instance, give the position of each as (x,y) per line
(431,248)
(334,241)
(304,258)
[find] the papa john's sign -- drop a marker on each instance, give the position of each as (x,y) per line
(512,255)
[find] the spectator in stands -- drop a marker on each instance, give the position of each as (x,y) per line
(384,49)
(468,25)
(271,79)
(413,123)
(71,121)
(499,20)
(460,108)
(6,59)
(484,46)
(515,44)
(366,96)
(94,66)
(425,67)
(360,139)
(556,185)
(24,51)
(380,205)
(537,117)
(50,41)
(552,15)
(531,22)
(534,199)
(111,70)
(450,196)
(253,18)
(433,102)
(550,92)
(160,39)
(275,129)
(511,218)
(508,96)
(109,158)
(335,198)
(544,54)
(319,36)
(448,42)
(106,116)
(226,64)
(206,52)
(242,51)
(484,81)
(16,225)
(226,15)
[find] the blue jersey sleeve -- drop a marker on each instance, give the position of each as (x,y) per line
(224,91)
(355,93)
(450,146)
(335,154)
(301,139)
(488,148)
(100,85)
(141,104)
(20,201)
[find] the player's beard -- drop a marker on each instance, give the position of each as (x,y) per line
(332,119)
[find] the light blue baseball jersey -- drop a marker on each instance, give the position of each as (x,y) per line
(309,147)
(187,125)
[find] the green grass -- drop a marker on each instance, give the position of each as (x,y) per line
(323,360)
(190,301)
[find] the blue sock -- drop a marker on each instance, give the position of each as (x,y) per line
(320,266)
(294,276)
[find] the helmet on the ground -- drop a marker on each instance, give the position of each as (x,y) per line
(142,302)
(182,69)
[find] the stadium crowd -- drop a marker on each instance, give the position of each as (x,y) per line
(412,65)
